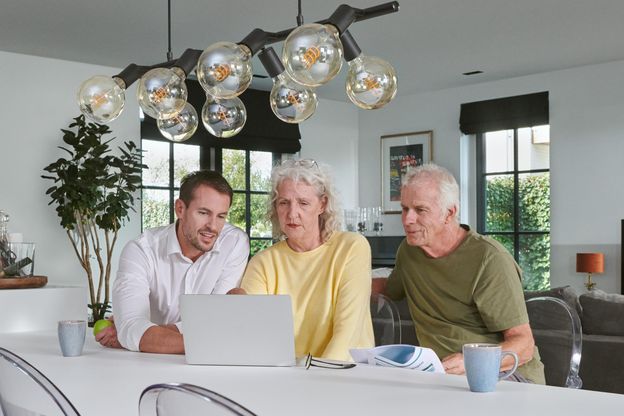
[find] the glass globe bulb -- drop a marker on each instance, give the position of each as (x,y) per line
(224,69)
(312,54)
(224,117)
(101,98)
(292,102)
(162,92)
(371,82)
(181,126)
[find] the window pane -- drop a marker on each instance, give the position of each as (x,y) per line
(155,208)
(499,206)
(260,225)
(257,245)
(156,157)
(261,164)
(534,203)
(506,240)
(236,215)
(535,261)
(234,168)
(186,160)
(499,151)
(534,148)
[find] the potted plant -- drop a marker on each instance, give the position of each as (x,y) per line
(93,192)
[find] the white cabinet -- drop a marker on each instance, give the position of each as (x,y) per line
(23,310)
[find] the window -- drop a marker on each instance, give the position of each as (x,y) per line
(513,186)
(248,172)
(167,164)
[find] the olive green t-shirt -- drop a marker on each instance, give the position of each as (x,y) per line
(470,295)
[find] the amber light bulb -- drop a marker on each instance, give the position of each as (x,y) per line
(371,81)
(102,98)
(162,92)
(312,54)
(291,102)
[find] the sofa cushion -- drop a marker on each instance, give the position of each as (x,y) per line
(602,365)
(565,293)
(602,313)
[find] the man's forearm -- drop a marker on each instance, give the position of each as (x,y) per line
(163,340)
(519,340)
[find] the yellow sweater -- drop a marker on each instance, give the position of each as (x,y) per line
(330,290)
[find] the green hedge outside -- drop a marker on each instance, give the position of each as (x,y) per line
(534,205)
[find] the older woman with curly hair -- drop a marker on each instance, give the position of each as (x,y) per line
(324,270)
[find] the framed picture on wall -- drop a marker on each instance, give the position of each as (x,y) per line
(399,152)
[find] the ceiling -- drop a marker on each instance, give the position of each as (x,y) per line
(430,42)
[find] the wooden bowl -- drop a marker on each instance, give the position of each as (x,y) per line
(23,282)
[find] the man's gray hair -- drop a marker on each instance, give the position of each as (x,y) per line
(316,175)
(448,189)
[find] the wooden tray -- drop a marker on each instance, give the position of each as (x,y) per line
(23,282)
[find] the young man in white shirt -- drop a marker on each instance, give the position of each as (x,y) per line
(200,253)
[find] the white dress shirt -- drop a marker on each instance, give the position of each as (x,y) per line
(153,273)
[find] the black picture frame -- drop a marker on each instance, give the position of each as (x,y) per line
(399,152)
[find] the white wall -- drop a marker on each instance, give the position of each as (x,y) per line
(39,100)
(587,151)
(331,136)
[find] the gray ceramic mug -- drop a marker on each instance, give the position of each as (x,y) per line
(71,335)
(482,364)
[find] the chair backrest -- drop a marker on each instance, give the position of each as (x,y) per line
(558,335)
(386,320)
(24,390)
(177,398)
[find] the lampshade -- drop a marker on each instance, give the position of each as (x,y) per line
(589,263)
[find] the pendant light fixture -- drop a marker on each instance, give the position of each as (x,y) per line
(311,56)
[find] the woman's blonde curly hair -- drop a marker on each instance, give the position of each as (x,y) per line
(319,177)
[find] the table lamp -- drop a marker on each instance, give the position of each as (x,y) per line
(589,263)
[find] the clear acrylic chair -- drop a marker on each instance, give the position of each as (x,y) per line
(177,398)
(24,390)
(558,335)
(386,320)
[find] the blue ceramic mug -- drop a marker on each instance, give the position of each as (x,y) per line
(482,363)
(71,335)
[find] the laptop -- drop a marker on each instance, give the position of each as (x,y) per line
(254,330)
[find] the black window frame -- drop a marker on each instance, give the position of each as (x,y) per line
(481,193)
(211,157)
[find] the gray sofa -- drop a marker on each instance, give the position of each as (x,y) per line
(602,319)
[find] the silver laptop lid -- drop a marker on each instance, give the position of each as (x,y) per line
(238,329)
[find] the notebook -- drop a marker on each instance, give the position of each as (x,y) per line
(252,330)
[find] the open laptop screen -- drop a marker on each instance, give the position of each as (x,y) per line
(238,329)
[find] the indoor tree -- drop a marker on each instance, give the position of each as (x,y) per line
(93,193)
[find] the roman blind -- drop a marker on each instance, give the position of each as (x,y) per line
(263,131)
(504,113)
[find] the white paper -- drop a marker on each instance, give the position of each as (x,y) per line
(401,356)
(381,272)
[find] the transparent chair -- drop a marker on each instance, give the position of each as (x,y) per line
(386,320)
(558,335)
(24,390)
(177,398)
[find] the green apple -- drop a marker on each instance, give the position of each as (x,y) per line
(100,325)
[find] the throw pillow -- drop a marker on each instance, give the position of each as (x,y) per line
(602,313)
(565,293)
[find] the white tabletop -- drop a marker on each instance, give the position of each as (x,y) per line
(120,376)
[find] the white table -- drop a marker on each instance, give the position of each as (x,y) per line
(119,376)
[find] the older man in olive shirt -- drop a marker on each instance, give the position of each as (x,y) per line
(461,287)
